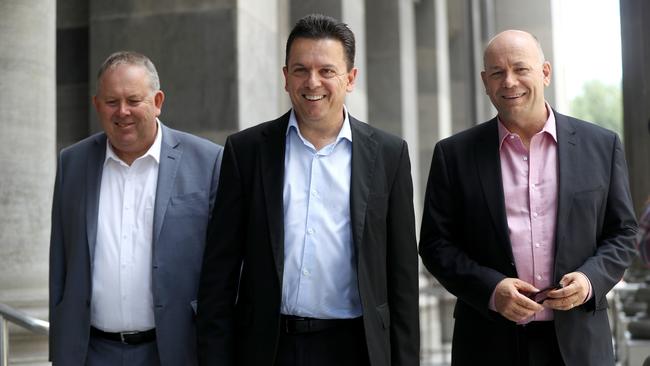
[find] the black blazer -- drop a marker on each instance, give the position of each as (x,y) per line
(241,282)
(465,243)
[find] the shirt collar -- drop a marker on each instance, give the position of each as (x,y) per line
(344,133)
(154,150)
(549,126)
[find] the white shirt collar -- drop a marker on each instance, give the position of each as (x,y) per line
(344,133)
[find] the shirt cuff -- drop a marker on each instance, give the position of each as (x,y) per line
(492,304)
(590,294)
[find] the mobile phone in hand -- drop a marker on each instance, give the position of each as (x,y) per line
(542,295)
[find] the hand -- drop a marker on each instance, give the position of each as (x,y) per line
(573,293)
(511,303)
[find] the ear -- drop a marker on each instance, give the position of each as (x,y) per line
(546,69)
(484,78)
(285,71)
(352,78)
(95,103)
(158,99)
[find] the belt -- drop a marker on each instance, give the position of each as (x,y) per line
(296,325)
(131,338)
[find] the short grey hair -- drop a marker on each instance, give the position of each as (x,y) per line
(130,58)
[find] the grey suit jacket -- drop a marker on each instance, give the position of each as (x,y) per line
(187,183)
(465,244)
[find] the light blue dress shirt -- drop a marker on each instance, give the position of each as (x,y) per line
(320,271)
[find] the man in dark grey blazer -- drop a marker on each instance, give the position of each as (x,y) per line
(530,200)
(129,218)
(311,257)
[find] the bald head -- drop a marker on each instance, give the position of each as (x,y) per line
(509,39)
(515,75)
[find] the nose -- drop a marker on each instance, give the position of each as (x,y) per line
(509,80)
(313,80)
(123,109)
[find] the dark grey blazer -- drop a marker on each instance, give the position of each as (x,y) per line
(239,315)
(187,183)
(465,243)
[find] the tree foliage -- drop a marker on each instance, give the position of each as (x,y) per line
(601,104)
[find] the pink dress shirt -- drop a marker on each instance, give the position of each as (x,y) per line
(530,187)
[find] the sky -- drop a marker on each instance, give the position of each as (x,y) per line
(587,43)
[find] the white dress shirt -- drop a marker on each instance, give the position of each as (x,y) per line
(320,268)
(122,299)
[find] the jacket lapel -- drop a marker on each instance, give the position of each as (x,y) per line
(272,152)
(170,158)
(567,161)
(489,168)
(94,169)
(364,153)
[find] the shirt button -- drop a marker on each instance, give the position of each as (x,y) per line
(310,231)
(539,277)
(535,214)
(525,158)
(536,245)
(305,272)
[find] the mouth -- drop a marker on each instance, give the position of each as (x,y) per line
(513,96)
(313,98)
(123,124)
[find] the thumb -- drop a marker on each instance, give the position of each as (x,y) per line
(525,286)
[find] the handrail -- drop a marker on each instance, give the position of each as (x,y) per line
(28,322)
(34,325)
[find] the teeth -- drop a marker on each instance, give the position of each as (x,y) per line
(313,97)
(513,96)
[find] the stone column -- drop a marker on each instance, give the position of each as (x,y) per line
(392,80)
(635,25)
(194,47)
(27,151)
(259,61)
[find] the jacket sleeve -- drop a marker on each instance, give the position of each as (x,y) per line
(402,268)
(57,270)
(221,266)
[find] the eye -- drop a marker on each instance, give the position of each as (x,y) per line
(521,70)
(496,74)
(134,102)
(111,102)
(328,73)
(299,72)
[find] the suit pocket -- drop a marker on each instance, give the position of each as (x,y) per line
(384,315)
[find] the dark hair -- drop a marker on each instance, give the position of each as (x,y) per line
(318,26)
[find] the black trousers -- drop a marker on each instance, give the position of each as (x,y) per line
(340,345)
(537,345)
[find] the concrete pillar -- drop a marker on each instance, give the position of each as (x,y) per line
(194,47)
(392,79)
(635,31)
(27,151)
(351,12)
(72,93)
(259,61)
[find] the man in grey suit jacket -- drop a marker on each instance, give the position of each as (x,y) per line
(129,217)
(528,200)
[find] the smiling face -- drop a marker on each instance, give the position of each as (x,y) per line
(317,80)
(127,108)
(515,76)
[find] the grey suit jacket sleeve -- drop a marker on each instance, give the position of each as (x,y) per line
(57,253)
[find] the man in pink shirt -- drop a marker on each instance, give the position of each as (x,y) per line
(528,201)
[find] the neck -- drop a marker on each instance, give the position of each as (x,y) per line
(320,133)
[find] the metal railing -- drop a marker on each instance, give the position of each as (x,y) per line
(9,314)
